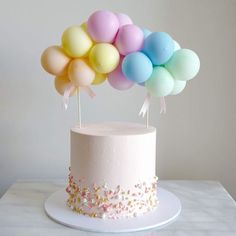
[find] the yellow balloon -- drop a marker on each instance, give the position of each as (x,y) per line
(55,61)
(104,57)
(99,78)
(61,83)
(84,26)
(76,41)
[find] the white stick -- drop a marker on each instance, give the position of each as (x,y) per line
(147,118)
(79,107)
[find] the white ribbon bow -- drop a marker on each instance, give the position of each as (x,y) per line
(162,105)
(69,90)
(146,104)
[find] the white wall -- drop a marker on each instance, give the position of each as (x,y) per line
(196,138)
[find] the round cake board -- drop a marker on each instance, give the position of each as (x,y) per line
(167,211)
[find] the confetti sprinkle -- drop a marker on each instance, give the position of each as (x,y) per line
(106,203)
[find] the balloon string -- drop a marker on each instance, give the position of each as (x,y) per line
(145,106)
(69,89)
(89,91)
(79,107)
(162,105)
(66,95)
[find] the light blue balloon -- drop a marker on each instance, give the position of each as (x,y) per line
(146,32)
(161,82)
(142,84)
(137,67)
(159,47)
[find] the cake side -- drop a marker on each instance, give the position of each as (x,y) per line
(113,170)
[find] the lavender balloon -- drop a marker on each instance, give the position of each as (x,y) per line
(124,19)
(103,26)
(118,81)
(129,39)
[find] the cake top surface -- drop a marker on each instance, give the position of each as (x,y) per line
(113,129)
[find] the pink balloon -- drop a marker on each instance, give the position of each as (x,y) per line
(124,19)
(103,26)
(129,39)
(117,79)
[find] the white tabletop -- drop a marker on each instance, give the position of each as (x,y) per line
(207,210)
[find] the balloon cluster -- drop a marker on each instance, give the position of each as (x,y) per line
(109,46)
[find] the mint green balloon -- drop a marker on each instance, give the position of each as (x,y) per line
(184,64)
(179,86)
(160,83)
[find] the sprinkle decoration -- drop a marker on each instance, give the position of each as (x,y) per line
(103,202)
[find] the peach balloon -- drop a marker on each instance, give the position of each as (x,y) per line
(61,84)
(55,61)
(99,77)
(80,73)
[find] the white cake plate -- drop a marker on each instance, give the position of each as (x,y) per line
(167,211)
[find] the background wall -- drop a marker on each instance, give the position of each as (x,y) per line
(196,138)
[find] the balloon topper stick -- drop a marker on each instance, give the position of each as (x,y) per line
(147,118)
(108,46)
(79,109)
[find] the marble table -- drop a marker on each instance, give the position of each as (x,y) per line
(207,210)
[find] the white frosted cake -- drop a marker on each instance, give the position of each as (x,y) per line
(113,165)
(113,170)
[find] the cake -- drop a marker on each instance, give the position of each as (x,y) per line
(112,172)
(112,169)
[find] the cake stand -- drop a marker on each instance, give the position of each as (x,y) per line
(167,211)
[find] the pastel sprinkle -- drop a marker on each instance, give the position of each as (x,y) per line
(103,202)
